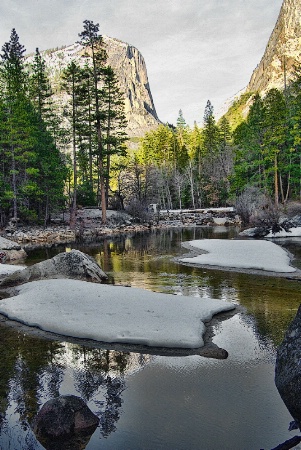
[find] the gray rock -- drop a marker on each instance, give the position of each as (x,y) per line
(10,251)
(288,369)
(63,422)
(296,221)
(6,244)
(74,265)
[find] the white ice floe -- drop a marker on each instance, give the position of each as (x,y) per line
(241,254)
(293,232)
(113,313)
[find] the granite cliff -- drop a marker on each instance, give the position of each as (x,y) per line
(276,67)
(283,51)
(130,67)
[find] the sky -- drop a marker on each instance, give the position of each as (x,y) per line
(195,50)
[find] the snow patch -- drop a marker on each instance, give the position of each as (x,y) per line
(113,313)
(293,232)
(241,254)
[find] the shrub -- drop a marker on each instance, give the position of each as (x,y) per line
(138,211)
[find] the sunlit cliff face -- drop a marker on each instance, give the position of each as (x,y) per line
(130,68)
(283,51)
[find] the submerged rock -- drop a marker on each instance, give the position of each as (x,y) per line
(75,265)
(288,369)
(65,422)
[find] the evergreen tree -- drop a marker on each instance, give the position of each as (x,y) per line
(212,179)
(114,121)
(40,90)
(293,102)
(72,80)
(94,45)
(181,122)
(249,142)
(16,138)
(275,139)
(32,173)
(12,68)
(211,136)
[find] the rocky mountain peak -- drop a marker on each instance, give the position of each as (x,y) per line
(130,68)
(283,51)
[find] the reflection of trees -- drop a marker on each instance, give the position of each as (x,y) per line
(102,370)
(24,362)
(34,359)
(23,359)
(272,301)
(33,370)
(111,413)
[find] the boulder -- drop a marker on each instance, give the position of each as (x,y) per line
(65,422)
(288,369)
(75,265)
(10,251)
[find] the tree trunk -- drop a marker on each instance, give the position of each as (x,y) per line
(276,179)
(14,183)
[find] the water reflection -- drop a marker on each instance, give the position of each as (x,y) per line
(34,370)
(146,260)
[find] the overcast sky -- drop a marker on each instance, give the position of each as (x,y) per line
(194,50)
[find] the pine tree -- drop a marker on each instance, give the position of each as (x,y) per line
(275,139)
(211,136)
(32,171)
(249,165)
(72,80)
(12,68)
(40,90)
(94,45)
(15,140)
(114,121)
(181,122)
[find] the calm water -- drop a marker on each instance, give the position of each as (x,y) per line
(157,402)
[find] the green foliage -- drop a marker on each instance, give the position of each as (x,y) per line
(85,195)
(267,145)
(192,166)
(175,166)
(32,173)
(236,113)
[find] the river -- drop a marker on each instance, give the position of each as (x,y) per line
(149,401)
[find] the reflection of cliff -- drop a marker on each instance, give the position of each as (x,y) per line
(35,370)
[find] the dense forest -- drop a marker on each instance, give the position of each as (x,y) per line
(49,161)
(174,166)
(216,164)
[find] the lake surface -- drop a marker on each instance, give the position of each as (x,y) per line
(161,402)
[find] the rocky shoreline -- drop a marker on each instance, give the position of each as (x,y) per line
(88,226)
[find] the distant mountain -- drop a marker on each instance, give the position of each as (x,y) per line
(282,53)
(276,67)
(130,68)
